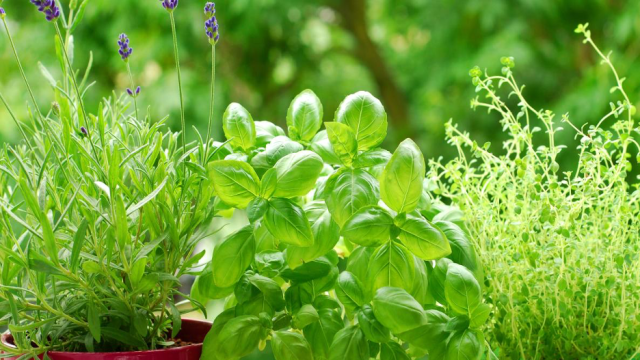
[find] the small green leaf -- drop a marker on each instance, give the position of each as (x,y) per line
(462,290)
(238,126)
(297,173)
(464,345)
(232,257)
(391,265)
(239,337)
(372,328)
(78,242)
(266,131)
(304,117)
(288,223)
(431,336)
(349,343)
(349,191)
(306,315)
(365,115)
(401,181)
(393,351)
(320,334)
(287,345)
(369,226)
(422,238)
(93,317)
(322,146)
(350,292)
(235,182)
(343,141)
(397,310)
(256,209)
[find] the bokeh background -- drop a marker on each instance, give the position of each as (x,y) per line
(412,54)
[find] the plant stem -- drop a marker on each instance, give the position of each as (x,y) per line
(213,90)
(135,97)
(177,56)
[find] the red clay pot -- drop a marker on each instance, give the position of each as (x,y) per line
(192,331)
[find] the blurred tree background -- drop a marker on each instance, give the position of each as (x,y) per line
(412,54)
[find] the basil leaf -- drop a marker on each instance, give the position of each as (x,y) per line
(462,290)
(288,223)
(288,345)
(397,310)
(372,328)
(432,336)
(349,343)
(238,127)
(350,292)
(322,146)
(268,183)
(320,334)
(423,239)
(393,351)
(270,290)
(256,209)
(266,131)
(232,257)
(420,289)
(358,262)
(371,158)
(462,250)
(391,265)
(402,178)
(312,270)
(297,173)
(265,241)
(369,226)
(437,279)
(269,262)
(343,141)
(349,191)
(280,147)
(325,232)
(239,337)
(464,345)
(365,115)
(235,182)
(304,117)
(306,315)
(211,341)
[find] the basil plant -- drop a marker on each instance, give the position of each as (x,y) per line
(344,257)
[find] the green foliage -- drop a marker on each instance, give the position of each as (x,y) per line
(559,244)
(326,209)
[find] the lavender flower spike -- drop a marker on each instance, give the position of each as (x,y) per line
(211,25)
(2,13)
(125,51)
(48,7)
(170,5)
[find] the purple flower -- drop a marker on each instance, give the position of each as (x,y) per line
(209,9)
(132,93)
(48,7)
(124,51)
(84,131)
(170,5)
(2,13)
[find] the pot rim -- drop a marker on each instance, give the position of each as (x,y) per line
(9,343)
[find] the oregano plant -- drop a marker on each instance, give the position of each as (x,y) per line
(343,255)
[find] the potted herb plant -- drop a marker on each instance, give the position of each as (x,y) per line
(344,256)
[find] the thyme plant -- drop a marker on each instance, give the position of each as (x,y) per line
(560,245)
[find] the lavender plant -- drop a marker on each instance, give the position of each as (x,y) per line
(560,245)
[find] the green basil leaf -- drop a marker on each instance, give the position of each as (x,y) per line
(312,270)
(232,257)
(304,117)
(397,310)
(325,232)
(322,146)
(288,345)
(422,238)
(238,127)
(270,289)
(464,345)
(297,174)
(437,279)
(256,209)
(372,328)
(365,115)
(432,336)
(320,334)
(268,183)
(323,301)
(343,141)
(265,241)
(393,351)
(288,223)
(358,262)
(391,265)
(401,181)
(266,131)
(349,343)
(350,191)
(235,182)
(350,292)
(269,262)
(239,337)
(458,324)
(462,290)
(369,226)
(371,158)
(462,251)
(306,315)
(479,316)
(211,341)
(204,288)
(420,289)
(280,147)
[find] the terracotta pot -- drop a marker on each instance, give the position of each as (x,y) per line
(193,331)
